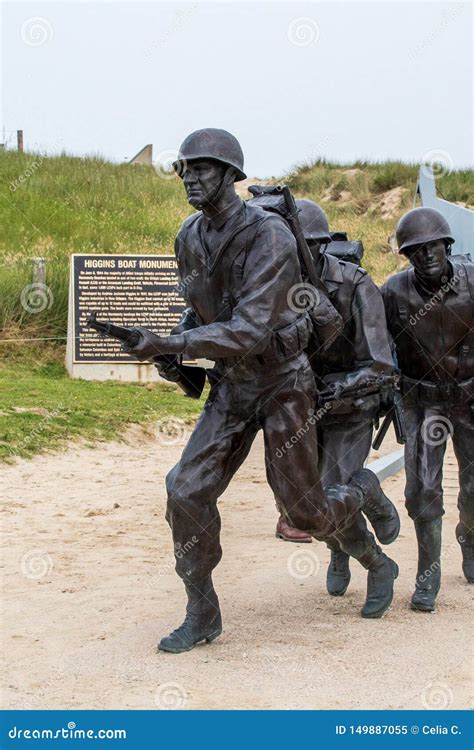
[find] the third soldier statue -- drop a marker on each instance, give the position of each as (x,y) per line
(430,315)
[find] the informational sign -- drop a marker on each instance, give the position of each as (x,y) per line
(127,290)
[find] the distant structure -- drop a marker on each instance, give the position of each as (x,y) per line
(144,156)
(459,218)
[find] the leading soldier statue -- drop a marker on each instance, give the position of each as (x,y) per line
(238,266)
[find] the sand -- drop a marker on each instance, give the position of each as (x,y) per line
(89,588)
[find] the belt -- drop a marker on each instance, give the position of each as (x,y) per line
(258,368)
(423,390)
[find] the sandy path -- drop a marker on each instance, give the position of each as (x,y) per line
(89,588)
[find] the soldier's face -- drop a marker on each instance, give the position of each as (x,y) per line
(430,259)
(202,180)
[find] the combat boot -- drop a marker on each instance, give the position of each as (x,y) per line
(357,541)
(382,572)
(203,620)
(339,575)
(380,511)
(428,577)
(465,537)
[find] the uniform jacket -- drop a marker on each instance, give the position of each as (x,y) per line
(364,343)
(433,334)
(237,279)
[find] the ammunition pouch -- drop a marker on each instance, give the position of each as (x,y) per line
(290,340)
(287,345)
(327,323)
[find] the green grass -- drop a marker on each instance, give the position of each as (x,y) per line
(52,207)
(76,408)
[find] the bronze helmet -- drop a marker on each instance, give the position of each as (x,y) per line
(212,143)
(422,225)
(313,220)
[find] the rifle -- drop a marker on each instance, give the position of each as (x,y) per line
(395,416)
(287,207)
(385,386)
(373,386)
(190,379)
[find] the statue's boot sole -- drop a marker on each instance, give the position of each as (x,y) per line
(340,586)
(420,607)
(396,530)
(295,541)
(339,591)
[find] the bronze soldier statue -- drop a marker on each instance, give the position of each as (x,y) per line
(430,315)
(359,356)
(238,267)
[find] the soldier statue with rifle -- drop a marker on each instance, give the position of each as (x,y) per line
(430,315)
(240,268)
(354,375)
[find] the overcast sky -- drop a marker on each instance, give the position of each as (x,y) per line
(293,81)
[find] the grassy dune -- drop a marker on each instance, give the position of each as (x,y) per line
(51,207)
(366,200)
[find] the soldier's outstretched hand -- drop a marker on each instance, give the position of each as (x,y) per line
(149,344)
